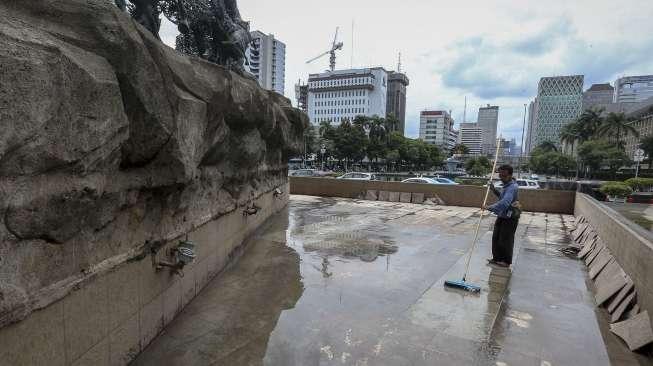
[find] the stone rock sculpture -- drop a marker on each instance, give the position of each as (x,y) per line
(111,140)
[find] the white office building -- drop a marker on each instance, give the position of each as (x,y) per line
(334,96)
(436,127)
(633,89)
(471,136)
(266,60)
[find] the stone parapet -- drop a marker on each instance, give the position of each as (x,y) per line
(452,195)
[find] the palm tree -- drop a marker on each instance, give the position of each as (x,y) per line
(570,134)
(325,127)
(588,123)
(617,125)
(547,146)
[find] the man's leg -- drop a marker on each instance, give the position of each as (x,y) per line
(496,244)
(507,239)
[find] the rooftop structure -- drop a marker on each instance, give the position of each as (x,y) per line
(396,100)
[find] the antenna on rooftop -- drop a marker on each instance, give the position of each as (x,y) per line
(351,62)
(399,63)
(465,111)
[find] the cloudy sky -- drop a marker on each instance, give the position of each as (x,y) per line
(490,51)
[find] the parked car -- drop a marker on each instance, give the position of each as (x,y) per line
(522,183)
(448,181)
(357,176)
(303,173)
(425,180)
(535,177)
(528,184)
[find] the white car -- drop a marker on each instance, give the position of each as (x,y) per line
(357,176)
(522,183)
(303,173)
(425,180)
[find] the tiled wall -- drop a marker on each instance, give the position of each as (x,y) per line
(112,317)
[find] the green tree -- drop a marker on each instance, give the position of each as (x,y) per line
(588,123)
(350,142)
(391,123)
(617,126)
(546,146)
(478,166)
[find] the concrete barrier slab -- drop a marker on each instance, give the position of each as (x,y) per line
(393,197)
(384,196)
(404,197)
(636,331)
(371,195)
(417,198)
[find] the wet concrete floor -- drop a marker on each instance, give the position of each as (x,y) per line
(347,282)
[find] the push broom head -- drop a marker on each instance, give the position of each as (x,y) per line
(461,284)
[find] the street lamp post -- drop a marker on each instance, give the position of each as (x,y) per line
(521,153)
(323,151)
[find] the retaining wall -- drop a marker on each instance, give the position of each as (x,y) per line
(111,317)
(455,195)
(632,250)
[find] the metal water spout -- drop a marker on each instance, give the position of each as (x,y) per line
(277,193)
(251,210)
(182,254)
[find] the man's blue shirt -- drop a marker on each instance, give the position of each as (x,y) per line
(508,195)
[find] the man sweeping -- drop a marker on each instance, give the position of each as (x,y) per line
(508,211)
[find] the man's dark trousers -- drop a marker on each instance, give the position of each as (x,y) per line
(503,239)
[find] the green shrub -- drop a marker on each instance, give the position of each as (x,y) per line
(640,184)
(616,189)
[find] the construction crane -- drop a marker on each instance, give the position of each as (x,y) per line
(334,47)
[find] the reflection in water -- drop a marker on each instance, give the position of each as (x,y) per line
(232,319)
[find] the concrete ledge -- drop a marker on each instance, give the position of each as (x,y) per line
(111,318)
(632,251)
(547,201)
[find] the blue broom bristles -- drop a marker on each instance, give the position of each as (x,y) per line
(462,285)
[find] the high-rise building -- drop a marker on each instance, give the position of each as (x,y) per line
(532,112)
(344,94)
(396,100)
(598,96)
(488,118)
(559,101)
(633,89)
(471,136)
(266,60)
(436,127)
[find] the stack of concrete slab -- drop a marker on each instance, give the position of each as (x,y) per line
(615,290)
